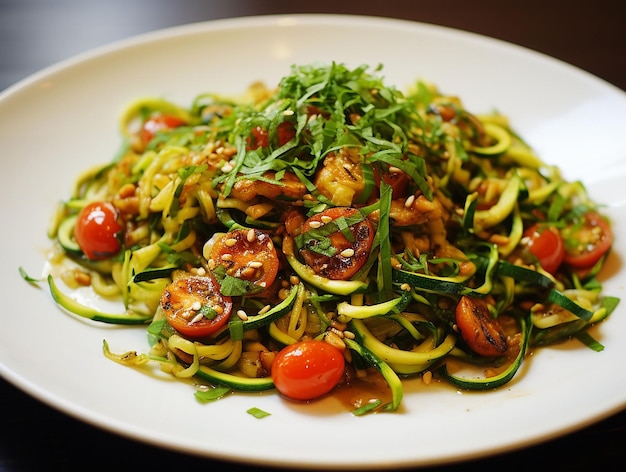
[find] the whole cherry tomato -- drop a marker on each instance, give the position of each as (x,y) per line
(97,231)
(546,244)
(158,123)
(307,369)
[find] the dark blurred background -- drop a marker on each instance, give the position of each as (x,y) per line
(588,34)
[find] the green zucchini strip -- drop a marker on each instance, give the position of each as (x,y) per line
(497,380)
(392,379)
(565,302)
(501,137)
(497,213)
(71,305)
(397,356)
(237,326)
(337,287)
(389,307)
(236,382)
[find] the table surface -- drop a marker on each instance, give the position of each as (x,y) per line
(38,33)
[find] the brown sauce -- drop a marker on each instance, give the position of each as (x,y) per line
(356,392)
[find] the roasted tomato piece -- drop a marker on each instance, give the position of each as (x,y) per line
(480,331)
(337,242)
(248,254)
(194,306)
(396,179)
(260,137)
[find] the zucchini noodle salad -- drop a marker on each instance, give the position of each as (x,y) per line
(329,232)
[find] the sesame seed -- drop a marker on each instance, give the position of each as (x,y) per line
(409,201)
(251,236)
(242,315)
(349,252)
(326,219)
(315,224)
(230,242)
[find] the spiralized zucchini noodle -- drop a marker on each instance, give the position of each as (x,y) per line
(406,231)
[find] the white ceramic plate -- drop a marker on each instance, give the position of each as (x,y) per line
(62,120)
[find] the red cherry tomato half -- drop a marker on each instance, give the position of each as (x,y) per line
(546,244)
(396,179)
(348,255)
(97,231)
(481,331)
(158,123)
(194,306)
(259,136)
(285,132)
(248,255)
(588,241)
(307,369)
